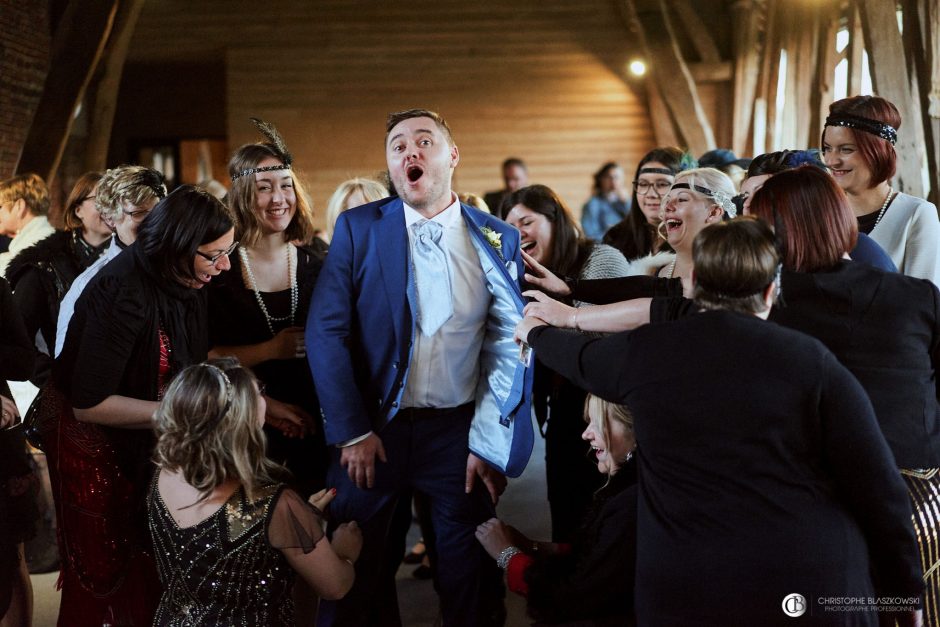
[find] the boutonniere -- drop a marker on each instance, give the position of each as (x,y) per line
(494,239)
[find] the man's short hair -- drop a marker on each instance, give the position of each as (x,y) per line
(513,162)
(394,119)
(31,188)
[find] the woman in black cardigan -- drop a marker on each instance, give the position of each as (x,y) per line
(779,482)
(141,320)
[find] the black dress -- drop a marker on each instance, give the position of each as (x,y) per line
(40,276)
(17,489)
(131,332)
(776,482)
(237,320)
(228,569)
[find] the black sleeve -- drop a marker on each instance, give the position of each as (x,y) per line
(114,317)
(670,308)
(584,360)
(868,480)
(31,299)
(935,340)
(614,290)
(17,352)
(600,582)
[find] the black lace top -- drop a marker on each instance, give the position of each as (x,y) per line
(228,569)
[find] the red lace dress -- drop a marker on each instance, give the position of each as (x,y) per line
(100,477)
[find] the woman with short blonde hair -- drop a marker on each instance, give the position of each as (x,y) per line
(349,194)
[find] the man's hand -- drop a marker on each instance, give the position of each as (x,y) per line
(494,481)
(289,419)
(359,460)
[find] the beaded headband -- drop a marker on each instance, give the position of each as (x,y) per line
(721,199)
(273,137)
(874,127)
(229,391)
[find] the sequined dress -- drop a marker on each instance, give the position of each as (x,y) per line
(228,569)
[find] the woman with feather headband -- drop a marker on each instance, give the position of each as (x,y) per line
(260,307)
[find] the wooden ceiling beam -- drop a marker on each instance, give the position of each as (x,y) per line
(76,49)
(891,80)
(672,76)
(748,18)
(700,37)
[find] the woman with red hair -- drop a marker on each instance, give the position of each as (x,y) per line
(858,147)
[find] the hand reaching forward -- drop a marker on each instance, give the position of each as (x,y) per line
(289,419)
(494,481)
(359,460)
(550,310)
(543,278)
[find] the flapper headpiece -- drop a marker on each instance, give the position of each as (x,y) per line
(274,138)
(721,199)
(874,127)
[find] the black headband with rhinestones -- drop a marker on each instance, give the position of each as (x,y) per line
(266,168)
(874,127)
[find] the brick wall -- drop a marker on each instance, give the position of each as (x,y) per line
(24,61)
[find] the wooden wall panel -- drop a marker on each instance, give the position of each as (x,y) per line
(542,80)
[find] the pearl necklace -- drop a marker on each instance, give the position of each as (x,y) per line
(249,278)
(883,207)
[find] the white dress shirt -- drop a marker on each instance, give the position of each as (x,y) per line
(445,367)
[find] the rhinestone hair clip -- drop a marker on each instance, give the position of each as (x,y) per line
(874,127)
(721,199)
(266,168)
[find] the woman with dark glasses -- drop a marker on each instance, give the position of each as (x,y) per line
(138,323)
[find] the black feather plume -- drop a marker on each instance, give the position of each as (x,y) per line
(270,133)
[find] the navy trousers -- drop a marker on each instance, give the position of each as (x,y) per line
(427,452)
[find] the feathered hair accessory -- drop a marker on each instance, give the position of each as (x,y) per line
(687,162)
(796,158)
(273,138)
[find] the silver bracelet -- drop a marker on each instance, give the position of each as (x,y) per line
(506,555)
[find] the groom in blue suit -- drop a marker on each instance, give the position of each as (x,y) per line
(421,386)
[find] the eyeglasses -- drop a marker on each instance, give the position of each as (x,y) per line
(739,200)
(139,214)
(214,258)
(642,188)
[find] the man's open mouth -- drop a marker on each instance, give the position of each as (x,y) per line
(414,172)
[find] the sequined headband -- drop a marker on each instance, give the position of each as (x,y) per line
(229,392)
(666,171)
(266,168)
(874,127)
(721,199)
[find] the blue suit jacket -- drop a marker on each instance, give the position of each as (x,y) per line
(360,333)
